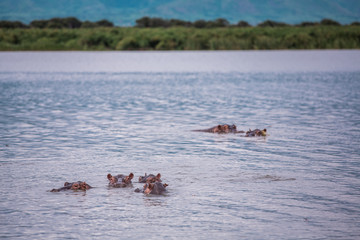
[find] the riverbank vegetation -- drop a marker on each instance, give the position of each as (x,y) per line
(160,34)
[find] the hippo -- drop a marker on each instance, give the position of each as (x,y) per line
(151,178)
(225,128)
(153,188)
(79,185)
(120,180)
(256,133)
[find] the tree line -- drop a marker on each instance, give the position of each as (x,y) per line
(155,22)
(59,23)
(147,22)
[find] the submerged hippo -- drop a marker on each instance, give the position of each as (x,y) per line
(153,188)
(151,178)
(73,186)
(226,128)
(120,180)
(256,133)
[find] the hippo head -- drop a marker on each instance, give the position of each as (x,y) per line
(217,129)
(229,128)
(263,132)
(84,186)
(112,179)
(127,179)
(148,188)
(260,133)
(153,178)
(225,128)
(76,186)
(221,128)
(256,133)
(157,178)
(154,188)
(142,178)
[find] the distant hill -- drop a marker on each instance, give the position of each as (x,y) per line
(125,12)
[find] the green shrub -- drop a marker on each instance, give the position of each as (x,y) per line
(243,24)
(329,22)
(128,43)
(269,23)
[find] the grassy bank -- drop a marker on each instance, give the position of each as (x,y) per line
(181,38)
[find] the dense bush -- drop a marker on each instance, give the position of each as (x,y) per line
(307,24)
(147,22)
(269,23)
(243,24)
(182,38)
(329,22)
(12,24)
(159,34)
(69,22)
(155,22)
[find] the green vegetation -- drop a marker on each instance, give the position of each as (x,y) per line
(71,34)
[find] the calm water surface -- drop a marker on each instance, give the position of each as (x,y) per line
(69,116)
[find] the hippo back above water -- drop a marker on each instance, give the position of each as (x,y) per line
(79,185)
(225,128)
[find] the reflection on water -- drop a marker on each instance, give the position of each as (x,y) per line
(302,179)
(274,178)
(152,201)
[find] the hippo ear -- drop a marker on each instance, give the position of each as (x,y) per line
(131,175)
(109,176)
(65,184)
(264,130)
(158,176)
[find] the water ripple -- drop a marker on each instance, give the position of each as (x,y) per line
(302,179)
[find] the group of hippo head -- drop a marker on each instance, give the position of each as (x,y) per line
(227,128)
(152,182)
(152,185)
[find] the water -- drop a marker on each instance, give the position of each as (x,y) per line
(69,116)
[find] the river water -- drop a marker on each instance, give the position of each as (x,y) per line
(69,116)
